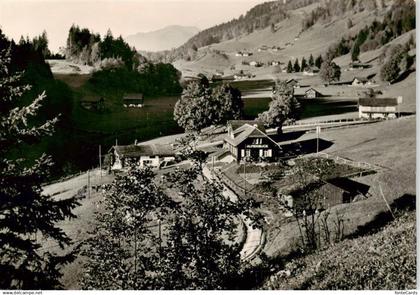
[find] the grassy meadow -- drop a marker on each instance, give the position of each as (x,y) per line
(89,128)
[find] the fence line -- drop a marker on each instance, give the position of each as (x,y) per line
(340,160)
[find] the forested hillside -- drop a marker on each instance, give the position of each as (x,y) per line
(259,17)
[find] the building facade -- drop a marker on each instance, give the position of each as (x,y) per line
(379,108)
(153,156)
(250,141)
(134,100)
(312,93)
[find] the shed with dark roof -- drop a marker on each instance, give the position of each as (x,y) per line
(133,100)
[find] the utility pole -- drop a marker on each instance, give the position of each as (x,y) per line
(100,161)
(245,177)
(135,256)
(386,202)
(160,235)
(213,165)
(88,183)
(318,131)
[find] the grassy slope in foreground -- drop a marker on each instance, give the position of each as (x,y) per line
(390,144)
(385,260)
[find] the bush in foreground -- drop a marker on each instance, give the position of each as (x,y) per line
(385,260)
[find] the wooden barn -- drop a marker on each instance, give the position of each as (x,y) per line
(379,108)
(133,100)
(312,93)
(326,194)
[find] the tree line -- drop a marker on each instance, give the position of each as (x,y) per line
(398,20)
(89,48)
(296,67)
(334,8)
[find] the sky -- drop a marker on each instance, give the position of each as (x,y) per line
(31,17)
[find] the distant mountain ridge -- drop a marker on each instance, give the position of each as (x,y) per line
(163,39)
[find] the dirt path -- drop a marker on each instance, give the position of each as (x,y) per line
(254,236)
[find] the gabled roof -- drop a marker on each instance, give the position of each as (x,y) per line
(235,124)
(135,151)
(247,131)
(378,102)
(291,80)
(349,185)
(133,96)
(311,69)
(361,79)
(313,89)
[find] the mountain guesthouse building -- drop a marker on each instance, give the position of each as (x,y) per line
(247,139)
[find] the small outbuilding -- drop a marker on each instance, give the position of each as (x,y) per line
(133,100)
(362,81)
(293,82)
(153,155)
(312,93)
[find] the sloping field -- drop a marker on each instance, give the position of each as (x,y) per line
(385,260)
(288,36)
(390,144)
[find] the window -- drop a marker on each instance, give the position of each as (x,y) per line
(248,153)
(268,153)
(257,141)
(242,153)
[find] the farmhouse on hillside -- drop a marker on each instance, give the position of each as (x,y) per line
(255,63)
(379,108)
(293,82)
(243,53)
(359,65)
(133,100)
(312,93)
(311,71)
(262,48)
(153,155)
(361,81)
(248,139)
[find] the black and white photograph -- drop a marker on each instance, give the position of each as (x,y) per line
(207,145)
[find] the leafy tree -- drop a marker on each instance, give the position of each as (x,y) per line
(296,67)
(200,222)
(283,107)
(398,61)
(193,249)
(200,106)
(122,247)
(27,213)
(319,61)
(330,71)
(289,67)
(311,61)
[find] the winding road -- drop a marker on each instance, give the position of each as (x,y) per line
(254,236)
